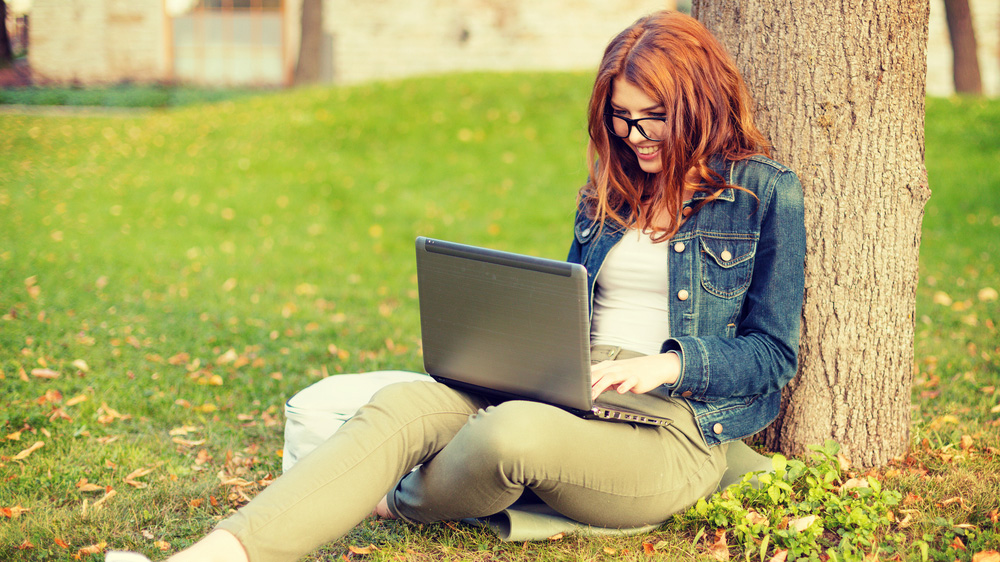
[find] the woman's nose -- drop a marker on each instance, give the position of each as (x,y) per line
(634,136)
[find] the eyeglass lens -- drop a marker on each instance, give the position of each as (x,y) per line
(653,128)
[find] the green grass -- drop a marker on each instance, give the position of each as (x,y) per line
(195,267)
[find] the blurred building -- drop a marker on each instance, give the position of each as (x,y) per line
(256,42)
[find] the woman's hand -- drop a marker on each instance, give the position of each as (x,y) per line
(638,375)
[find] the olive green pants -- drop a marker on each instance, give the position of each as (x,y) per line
(476,458)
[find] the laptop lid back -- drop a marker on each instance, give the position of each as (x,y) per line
(505,322)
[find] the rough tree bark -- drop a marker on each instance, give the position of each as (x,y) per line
(965,67)
(6,53)
(307,69)
(839,87)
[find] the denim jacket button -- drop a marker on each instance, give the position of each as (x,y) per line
(717,428)
(687,394)
(679,247)
(586,232)
(687,211)
(726,256)
(682,295)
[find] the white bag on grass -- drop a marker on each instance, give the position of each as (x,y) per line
(317,411)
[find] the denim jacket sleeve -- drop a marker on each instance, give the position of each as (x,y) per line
(761,357)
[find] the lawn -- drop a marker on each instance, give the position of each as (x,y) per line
(168,279)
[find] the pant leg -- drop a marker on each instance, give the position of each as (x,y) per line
(337,485)
(601,473)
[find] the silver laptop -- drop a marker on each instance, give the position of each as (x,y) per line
(509,325)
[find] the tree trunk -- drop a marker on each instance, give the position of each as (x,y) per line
(6,52)
(965,67)
(839,87)
(307,70)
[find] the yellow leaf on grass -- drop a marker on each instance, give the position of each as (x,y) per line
(93,549)
(16,436)
(780,556)
(183,430)
(938,422)
(942,298)
(162,545)
(44,373)
(107,496)
(27,452)
(362,550)
(85,486)
(131,479)
(76,400)
(227,357)
(187,442)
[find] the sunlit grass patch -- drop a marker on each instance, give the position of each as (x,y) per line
(167,280)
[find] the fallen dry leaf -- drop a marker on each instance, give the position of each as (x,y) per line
(780,556)
(138,473)
(957,499)
(85,486)
(93,549)
(802,523)
(26,545)
(362,550)
(855,483)
(986,556)
(966,442)
(44,373)
(648,549)
(188,442)
(162,545)
(76,400)
(957,543)
(60,542)
(183,430)
(13,512)
(16,436)
(27,452)
(557,537)
(610,551)
(107,496)
(720,548)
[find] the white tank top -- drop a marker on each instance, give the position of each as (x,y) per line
(631,302)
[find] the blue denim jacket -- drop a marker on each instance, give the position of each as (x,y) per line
(737,280)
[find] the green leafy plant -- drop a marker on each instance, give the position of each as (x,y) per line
(808,510)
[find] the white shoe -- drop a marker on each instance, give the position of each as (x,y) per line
(120,556)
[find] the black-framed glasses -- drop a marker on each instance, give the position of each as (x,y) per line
(653,128)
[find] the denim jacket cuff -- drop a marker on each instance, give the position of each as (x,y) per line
(693,380)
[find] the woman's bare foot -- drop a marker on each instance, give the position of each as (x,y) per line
(382,509)
(217,546)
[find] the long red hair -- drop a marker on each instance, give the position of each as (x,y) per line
(673,59)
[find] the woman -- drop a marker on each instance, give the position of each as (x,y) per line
(694,244)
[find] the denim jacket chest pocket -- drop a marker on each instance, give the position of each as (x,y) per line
(725,269)
(726,265)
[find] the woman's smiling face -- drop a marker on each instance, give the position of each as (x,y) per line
(627,100)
